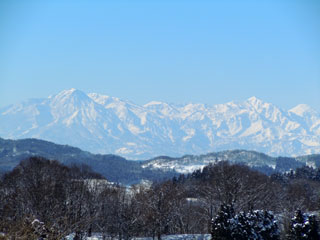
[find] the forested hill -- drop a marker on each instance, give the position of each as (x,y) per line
(113,167)
(256,160)
(119,169)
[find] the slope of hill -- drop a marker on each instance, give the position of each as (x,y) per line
(253,159)
(103,124)
(113,167)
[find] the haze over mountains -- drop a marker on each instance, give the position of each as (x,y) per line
(104,124)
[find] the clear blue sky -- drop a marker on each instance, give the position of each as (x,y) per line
(173,51)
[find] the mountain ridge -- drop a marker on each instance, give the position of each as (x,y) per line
(104,124)
(118,169)
(114,168)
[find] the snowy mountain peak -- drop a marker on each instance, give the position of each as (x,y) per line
(99,98)
(260,106)
(105,124)
(154,103)
(302,109)
(68,101)
(71,93)
(255,102)
(254,99)
(71,90)
(162,108)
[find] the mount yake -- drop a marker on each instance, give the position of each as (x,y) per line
(103,124)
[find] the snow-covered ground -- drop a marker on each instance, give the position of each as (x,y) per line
(164,237)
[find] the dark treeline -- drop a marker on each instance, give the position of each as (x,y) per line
(43,198)
(247,189)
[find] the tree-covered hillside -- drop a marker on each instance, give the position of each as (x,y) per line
(113,167)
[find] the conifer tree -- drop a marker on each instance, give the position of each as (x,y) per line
(222,225)
(303,226)
(255,225)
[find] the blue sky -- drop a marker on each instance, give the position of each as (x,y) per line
(173,51)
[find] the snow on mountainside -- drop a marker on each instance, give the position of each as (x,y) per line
(103,124)
(190,163)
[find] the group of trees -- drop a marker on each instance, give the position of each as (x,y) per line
(256,224)
(245,190)
(303,226)
(46,191)
(43,198)
(261,225)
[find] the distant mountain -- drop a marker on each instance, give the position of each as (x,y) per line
(103,124)
(259,161)
(118,169)
(114,168)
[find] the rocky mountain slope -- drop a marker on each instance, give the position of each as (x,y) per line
(103,124)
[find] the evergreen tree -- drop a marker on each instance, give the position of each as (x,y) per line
(303,226)
(222,225)
(255,225)
(243,227)
(264,225)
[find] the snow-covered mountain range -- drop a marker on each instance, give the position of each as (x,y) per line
(104,124)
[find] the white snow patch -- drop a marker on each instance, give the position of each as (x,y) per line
(292,126)
(311,164)
(152,103)
(254,128)
(70,120)
(301,109)
(188,169)
(310,142)
(190,133)
(134,129)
